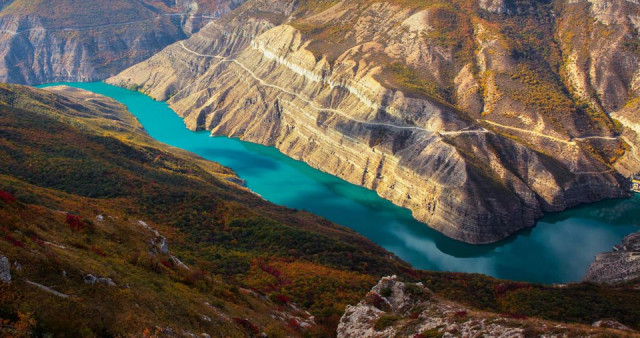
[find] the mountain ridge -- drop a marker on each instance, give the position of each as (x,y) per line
(50,41)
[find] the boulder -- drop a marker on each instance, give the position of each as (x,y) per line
(611,324)
(5,269)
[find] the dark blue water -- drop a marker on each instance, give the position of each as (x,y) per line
(559,249)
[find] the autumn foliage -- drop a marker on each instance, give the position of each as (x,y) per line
(7,197)
(74,222)
(245,323)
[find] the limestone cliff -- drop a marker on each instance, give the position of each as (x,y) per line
(48,41)
(463,112)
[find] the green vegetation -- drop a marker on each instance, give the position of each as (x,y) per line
(432,333)
(385,321)
(577,303)
(406,79)
(386,292)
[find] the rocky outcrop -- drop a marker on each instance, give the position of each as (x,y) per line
(91,279)
(5,269)
(494,6)
(42,42)
(457,142)
(397,309)
(611,324)
(619,266)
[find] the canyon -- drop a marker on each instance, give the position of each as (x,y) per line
(478,117)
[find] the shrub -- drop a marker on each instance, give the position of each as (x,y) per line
(245,323)
(98,251)
(377,301)
(416,291)
(386,292)
(282,299)
(460,314)
(385,321)
(74,222)
(431,333)
(7,197)
(294,324)
(14,241)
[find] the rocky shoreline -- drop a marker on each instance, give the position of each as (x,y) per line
(620,265)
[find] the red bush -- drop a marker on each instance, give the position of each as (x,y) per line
(247,325)
(38,241)
(167,263)
(14,241)
(514,316)
(294,324)
(7,197)
(378,301)
(282,299)
(271,270)
(74,222)
(460,314)
(98,251)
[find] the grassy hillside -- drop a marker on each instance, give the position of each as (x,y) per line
(229,238)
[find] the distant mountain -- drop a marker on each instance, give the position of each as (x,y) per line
(71,40)
(479,116)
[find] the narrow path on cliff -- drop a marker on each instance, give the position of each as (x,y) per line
(320,108)
(441,133)
(572,141)
(79,29)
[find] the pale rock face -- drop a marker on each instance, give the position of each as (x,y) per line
(5,269)
(35,50)
(494,6)
(476,175)
(468,91)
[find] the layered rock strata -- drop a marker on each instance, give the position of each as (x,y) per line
(474,137)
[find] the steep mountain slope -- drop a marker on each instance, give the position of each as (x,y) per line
(477,116)
(47,41)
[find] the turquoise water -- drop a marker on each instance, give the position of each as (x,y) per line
(559,249)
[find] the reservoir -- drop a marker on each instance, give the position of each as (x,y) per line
(558,250)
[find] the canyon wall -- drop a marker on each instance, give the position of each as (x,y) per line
(476,128)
